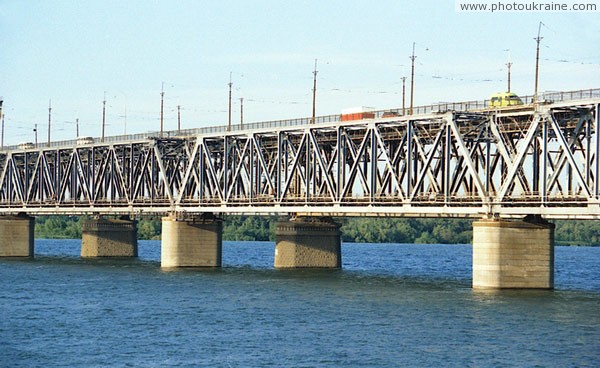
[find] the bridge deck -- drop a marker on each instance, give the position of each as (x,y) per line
(440,162)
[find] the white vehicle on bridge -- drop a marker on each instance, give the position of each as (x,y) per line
(84,140)
(26,145)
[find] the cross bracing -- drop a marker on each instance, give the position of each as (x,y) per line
(509,163)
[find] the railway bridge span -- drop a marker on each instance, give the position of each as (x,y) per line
(510,169)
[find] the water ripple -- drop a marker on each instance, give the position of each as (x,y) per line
(391,305)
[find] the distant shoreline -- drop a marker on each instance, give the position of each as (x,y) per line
(354,230)
(556,244)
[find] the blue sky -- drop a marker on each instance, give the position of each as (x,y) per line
(72,52)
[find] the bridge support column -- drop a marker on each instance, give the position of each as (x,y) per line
(108,238)
(513,254)
(308,243)
(16,236)
(191,242)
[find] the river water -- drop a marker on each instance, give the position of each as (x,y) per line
(391,305)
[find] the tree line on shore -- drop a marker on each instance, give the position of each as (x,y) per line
(357,230)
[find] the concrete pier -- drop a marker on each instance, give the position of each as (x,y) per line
(109,238)
(191,242)
(16,236)
(513,254)
(308,243)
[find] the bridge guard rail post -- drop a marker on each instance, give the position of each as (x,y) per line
(308,242)
(513,254)
(16,236)
(107,237)
(191,242)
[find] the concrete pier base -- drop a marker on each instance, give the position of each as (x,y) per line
(16,236)
(513,254)
(191,242)
(108,238)
(307,243)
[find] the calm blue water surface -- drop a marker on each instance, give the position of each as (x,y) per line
(391,305)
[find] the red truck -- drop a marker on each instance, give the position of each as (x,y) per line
(357,113)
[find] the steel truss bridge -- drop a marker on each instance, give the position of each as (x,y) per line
(533,159)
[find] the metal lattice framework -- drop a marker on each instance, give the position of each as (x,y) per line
(510,163)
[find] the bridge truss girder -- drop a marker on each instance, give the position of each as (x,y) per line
(446,164)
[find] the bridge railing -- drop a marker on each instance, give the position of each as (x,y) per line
(551,96)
